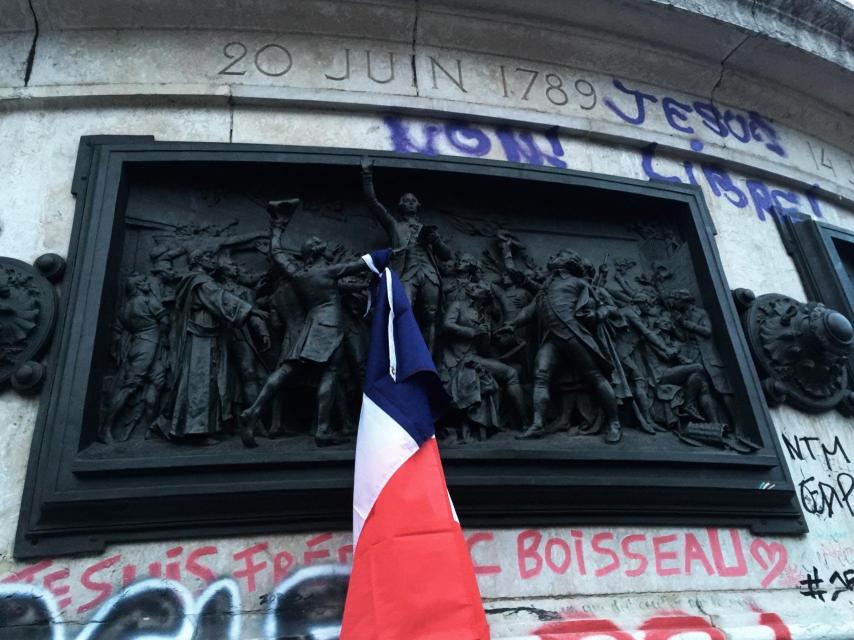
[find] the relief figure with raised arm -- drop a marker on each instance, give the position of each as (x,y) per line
(317,348)
(418,250)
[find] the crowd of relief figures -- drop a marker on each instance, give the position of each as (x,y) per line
(262,334)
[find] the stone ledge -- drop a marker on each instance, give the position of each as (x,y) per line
(79,96)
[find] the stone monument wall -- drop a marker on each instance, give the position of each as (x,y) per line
(749,101)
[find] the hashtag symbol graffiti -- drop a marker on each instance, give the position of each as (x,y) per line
(810,586)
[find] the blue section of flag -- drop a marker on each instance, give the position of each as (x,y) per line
(416,399)
(381,258)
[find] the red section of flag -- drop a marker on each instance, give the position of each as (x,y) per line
(412,573)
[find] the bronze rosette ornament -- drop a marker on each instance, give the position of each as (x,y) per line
(27,317)
(800,349)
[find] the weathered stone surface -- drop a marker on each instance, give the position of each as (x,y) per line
(14,49)
(17,31)
(605,102)
(15,15)
(36,210)
(361,19)
(38,186)
(156,78)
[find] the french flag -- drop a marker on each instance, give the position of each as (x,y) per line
(412,576)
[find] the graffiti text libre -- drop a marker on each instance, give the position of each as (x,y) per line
(545,148)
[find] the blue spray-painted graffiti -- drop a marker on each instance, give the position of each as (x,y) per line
(308,604)
(462,138)
(745,127)
(764,199)
(467,139)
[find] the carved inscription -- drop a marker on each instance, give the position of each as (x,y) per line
(271,59)
(551,85)
(380,67)
(528,84)
(562,90)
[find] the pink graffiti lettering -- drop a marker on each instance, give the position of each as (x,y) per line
(539,554)
(740,566)
(579,626)
(614,563)
(103,589)
(282,563)
(721,554)
(771,556)
(643,563)
(665,625)
(196,568)
(662,556)
(694,553)
(316,554)
(526,548)
(51,581)
(482,569)
(250,568)
(27,573)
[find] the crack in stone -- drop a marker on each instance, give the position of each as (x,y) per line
(230,115)
(31,56)
(543,615)
(736,48)
(699,604)
(723,66)
(412,55)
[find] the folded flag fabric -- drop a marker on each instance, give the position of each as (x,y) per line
(412,575)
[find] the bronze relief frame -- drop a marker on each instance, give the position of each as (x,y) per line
(582,324)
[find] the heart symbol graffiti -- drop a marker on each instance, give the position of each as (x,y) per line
(771,556)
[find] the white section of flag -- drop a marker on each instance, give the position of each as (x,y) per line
(381,448)
(392,352)
(370,262)
(453,508)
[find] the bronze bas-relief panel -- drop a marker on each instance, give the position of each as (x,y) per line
(241,318)
(582,328)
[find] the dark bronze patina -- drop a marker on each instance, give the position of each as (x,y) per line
(801,350)
(209,365)
(27,317)
(529,343)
